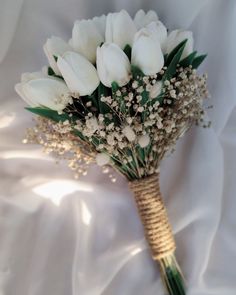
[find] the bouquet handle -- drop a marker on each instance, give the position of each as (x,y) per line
(158,231)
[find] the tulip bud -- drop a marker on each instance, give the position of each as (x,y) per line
(112,65)
(53,47)
(146,53)
(46,92)
(176,37)
(86,37)
(120,29)
(158,31)
(142,19)
(80,75)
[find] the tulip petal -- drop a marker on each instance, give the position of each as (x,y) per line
(80,75)
(100,23)
(142,19)
(116,29)
(50,93)
(146,53)
(177,36)
(20,91)
(158,31)
(86,38)
(53,47)
(113,65)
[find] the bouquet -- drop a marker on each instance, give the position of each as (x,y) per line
(120,93)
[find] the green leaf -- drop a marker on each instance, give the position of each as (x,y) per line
(79,134)
(172,54)
(127,51)
(187,61)
(50,114)
(145,97)
(114,87)
(136,72)
(103,91)
(52,73)
(55,57)
(198,60)
(171,70)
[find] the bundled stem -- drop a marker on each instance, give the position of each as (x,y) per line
(158,231)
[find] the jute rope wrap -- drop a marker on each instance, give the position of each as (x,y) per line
(154,217)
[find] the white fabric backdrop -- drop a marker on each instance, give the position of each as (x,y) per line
(66,237)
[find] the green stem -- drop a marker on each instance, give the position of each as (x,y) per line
(172,276)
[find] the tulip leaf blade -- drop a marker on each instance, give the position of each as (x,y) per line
(198,60)
(54,116)
(128,50)
(103,91)
(171,69)
(53,74)
(55,57)
(136,72)
(49,114)
(173,53)
(114,86)
(187,61)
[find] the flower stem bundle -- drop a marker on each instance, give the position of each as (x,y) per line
(121,98)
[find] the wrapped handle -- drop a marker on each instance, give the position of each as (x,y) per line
(154,216)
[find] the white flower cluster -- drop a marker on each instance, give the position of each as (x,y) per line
(95,54)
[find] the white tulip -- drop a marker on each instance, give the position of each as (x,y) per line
(86,37)
(100,23)
(120,29)
(158,31)
(177,36)
(25,77)
(80,75)
(142,19)
(53,47)
(112,65)
(146,53)
(45,92)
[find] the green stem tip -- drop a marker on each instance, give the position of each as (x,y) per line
(172,276)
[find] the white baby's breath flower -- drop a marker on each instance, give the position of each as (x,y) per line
(102,159)
(129,133)
(144,140)
(155,90)
(92,125)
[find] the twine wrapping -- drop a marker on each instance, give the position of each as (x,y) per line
(154,216)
